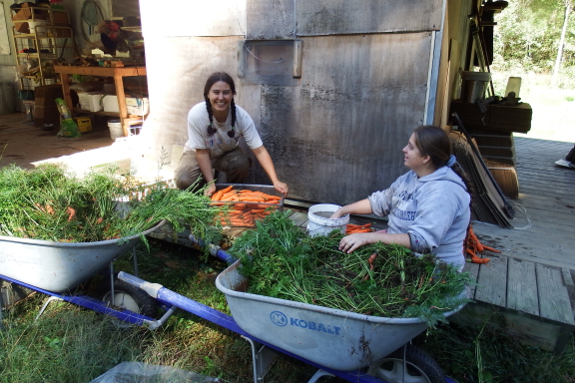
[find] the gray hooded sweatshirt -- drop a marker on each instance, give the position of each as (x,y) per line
(433,210)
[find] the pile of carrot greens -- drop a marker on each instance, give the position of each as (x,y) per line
(50,203)
(280,260)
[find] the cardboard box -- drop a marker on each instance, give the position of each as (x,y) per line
(25,13)
(45,96)
(46,115)
(60,17)
(61,32)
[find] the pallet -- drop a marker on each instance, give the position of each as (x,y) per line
(528,299)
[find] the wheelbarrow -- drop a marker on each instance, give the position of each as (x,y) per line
(356,347)
(57,268)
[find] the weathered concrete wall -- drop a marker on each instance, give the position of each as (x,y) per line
(337,134)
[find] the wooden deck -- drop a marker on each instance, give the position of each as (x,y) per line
(527,289)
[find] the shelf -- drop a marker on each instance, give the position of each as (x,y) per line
(118,75)
(43,56)
(48,43)
(100,113)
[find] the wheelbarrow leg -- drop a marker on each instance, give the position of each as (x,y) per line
(261,360)
(135,258)
(318,374)
(45,305)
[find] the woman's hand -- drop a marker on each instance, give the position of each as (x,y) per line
(338,213)
(281,187)
(353,241)
(210,189)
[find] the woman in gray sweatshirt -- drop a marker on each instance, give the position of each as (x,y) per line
(428,207)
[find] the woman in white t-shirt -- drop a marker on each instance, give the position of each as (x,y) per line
(214,130)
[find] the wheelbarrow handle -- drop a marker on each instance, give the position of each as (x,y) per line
(149,287)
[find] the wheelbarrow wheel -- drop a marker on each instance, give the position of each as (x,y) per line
(420,367)
(127,297)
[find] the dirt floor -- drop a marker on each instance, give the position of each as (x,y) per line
(22,143)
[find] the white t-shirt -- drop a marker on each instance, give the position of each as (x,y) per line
(219,142)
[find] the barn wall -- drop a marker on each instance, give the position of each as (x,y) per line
(335,133)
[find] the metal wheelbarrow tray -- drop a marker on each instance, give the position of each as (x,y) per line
(59,266)
(334,338)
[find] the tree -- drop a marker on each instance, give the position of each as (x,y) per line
(557,67)
(528,35)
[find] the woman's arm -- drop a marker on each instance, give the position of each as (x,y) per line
(351,242)
(359,207)
(267,164)
(205,163)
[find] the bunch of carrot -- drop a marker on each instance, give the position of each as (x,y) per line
(245,205)
(353,228)
(474,246)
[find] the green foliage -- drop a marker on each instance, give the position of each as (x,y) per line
(486,353)
(66,345)
(50,204)
(527,36)
(281,261)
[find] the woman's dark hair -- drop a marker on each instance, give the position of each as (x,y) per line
(433,141)
(215,77)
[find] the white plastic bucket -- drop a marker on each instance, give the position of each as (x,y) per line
(38,27)
(320,223)
(116,130)
(473,85)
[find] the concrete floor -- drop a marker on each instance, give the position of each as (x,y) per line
(22,143)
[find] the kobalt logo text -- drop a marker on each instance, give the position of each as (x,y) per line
(280,319)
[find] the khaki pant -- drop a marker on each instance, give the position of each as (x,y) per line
(235,164)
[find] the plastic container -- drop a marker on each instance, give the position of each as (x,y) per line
(110,103)
(38,27)
(473,85)
(116,130)
(137,106)
(90,101)
(319,222)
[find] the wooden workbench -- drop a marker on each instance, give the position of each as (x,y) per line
(116,73)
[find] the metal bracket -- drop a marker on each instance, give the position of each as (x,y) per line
(318,374)
(262,360)
(482,104)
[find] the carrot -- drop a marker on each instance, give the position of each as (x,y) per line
(71,213)
(480,260)
(217,195)
(353,228)
(475,240)
(491,249)
(227,189)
